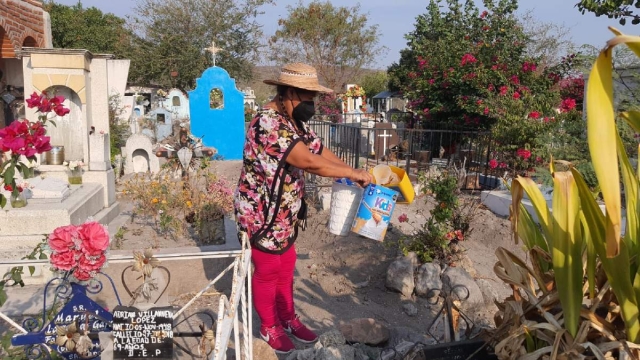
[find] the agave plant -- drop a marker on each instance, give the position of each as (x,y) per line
(579,296)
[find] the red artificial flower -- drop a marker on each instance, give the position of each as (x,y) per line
(8,187)
(484,14)
(515,80)
(534,115)
(491,87)
(503,90)
(493,163)
(516,95)
(486,111)
(403,218)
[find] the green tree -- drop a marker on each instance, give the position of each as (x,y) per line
(337,41)
(613,9)
(171,35)
(76,27)
(374,83)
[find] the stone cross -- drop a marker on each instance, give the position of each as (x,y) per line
(213,50)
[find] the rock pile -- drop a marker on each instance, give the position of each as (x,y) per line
(364,339)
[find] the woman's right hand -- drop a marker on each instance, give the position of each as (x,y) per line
(361,177)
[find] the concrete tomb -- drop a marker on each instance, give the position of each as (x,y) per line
(139,154)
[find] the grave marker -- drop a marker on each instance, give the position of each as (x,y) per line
(385,138)
(90,317)
(223,128)
(142,334)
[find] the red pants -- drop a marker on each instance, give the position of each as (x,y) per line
(273,286)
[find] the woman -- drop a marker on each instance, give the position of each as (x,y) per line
(269,204)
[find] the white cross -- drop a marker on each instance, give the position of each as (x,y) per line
(384,137)
(213,50)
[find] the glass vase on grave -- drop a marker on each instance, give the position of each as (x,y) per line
(75,176)
(18,200)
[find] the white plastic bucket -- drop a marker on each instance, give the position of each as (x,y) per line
(345,200)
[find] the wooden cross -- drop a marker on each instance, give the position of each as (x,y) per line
(213,50)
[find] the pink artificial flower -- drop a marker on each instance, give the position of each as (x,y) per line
(450,236)
(515,80)
(64,260)
(95,239)
(91,263)
(484,14)
(503,90)
(491,87)
(486,111)
(432,81)
(516,95)
(534,115)
(61,239)
(82,275)
(459,235)
(493,163)
(502,165)
(403,218)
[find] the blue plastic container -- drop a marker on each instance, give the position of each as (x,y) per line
(375,211)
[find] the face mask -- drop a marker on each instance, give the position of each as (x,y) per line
(304,111)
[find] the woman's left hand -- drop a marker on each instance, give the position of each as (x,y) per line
(361,177)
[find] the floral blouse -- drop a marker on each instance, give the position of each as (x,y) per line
(270,191)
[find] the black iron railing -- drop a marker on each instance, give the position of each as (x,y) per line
(360,145)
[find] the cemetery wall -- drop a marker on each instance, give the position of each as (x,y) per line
(22,23)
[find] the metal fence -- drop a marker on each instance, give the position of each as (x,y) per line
(412,149)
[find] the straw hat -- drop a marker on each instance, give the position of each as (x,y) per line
(301,76)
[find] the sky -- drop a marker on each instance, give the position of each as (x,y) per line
(395,18)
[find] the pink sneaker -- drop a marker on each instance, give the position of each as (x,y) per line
(299,331)
(277,339)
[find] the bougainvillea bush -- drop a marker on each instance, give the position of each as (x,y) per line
(468,67)
(23,140)
(329,107)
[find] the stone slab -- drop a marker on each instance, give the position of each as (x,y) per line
(498,201)
(49,189)
(42,218)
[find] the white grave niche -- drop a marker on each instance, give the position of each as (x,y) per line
(69,129)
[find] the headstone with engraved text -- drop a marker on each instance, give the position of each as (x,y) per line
(142,334)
